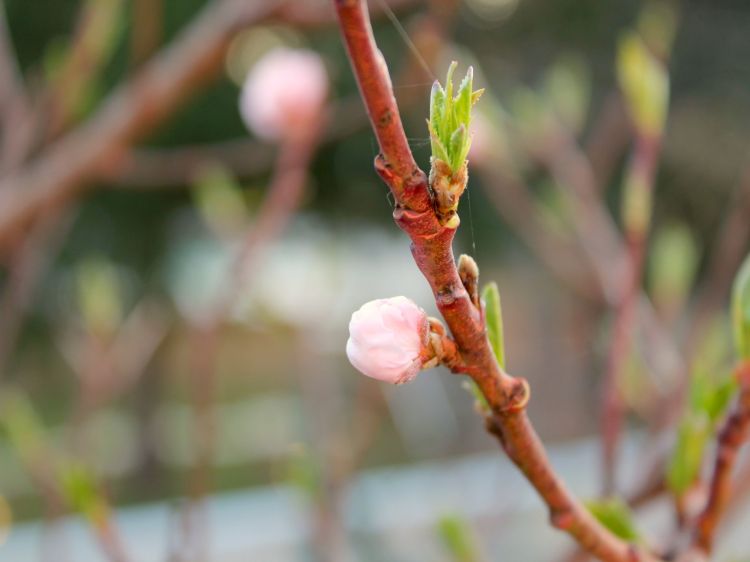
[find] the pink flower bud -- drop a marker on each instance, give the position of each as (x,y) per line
(284,93)
(388,339)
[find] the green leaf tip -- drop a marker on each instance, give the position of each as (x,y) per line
(616,516)
(645,83)
(458,539)
(493,317)
(741,310)
(450,117)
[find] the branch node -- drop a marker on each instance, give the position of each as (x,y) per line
(562,519)
(517,397)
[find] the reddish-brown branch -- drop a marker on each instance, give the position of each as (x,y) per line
(732,436)
(431,248)
(375,87)
(307,13)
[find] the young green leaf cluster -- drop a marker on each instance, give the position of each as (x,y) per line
(450,117)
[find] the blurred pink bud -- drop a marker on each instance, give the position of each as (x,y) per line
(284,93)
(388,339)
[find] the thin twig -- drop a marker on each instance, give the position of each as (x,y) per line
(619,265)
(285,194)
(732,436)
(316,13)
(31,259)
(160,168)
(513,202)
(643,167)
(432,251)
(69,166)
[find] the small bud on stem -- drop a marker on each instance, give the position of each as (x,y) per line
(449,136)
(393,339)
(468,271)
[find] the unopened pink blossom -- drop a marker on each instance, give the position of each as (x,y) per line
(284,93)
(388,339)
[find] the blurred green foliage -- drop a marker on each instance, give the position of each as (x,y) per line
(616,516)
(522,69)
(457,538)
(712,387)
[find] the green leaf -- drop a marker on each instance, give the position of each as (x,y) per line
(450,118)
(437,111)
(303,471)
(616,516)
(79,485)
(459,139)
(22,424)
(673,264)
(493,317)
(463,98)
(220,199)
(741,310)
(100,298)
(567,87)
(645,84)
(438,150)
(687,457)
(459,541)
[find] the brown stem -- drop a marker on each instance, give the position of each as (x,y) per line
(643,166)
(732,436)
(431,248)
(284,196)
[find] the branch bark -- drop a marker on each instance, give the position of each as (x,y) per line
(731,437)
(432,250)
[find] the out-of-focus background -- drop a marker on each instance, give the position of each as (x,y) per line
(173,376)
